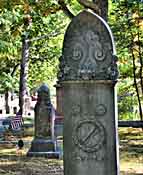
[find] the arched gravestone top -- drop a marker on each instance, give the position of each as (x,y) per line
(44,93)
(88,50)
(43,88)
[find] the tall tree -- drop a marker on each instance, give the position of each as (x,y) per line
(14,21)
(23,91)
(98,6)
(129,39)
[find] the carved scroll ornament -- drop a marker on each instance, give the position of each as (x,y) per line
(88,52)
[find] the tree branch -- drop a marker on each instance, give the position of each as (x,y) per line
(44,36)
(65,9)
(14,69)
(90,5)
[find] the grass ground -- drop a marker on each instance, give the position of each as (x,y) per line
(131,151)
(131,157)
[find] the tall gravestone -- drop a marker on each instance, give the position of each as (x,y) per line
(88,74)
(44,143)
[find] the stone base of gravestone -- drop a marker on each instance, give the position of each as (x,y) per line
(43,148)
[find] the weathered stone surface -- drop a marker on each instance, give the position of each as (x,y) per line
(43,143)
(43,109)
(88,50)
(89,128)
(88,74)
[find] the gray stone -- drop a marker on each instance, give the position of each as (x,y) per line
(88,50)
(88,74)
(43,143)
(43,109)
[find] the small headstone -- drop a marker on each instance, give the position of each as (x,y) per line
(43,144)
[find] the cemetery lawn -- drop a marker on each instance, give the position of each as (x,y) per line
(131,157)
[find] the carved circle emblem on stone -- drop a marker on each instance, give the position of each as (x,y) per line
(100,110)
(89,135)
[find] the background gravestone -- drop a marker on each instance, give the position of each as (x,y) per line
(88,74)
(44,143)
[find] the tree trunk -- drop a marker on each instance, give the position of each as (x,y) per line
(7,108)
(137,88)
(98,6)
(23,73)
(103,6)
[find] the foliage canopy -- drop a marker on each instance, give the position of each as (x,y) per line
(47,26)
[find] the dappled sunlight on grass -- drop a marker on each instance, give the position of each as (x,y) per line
(4,162)
(131,151)
(131,133)
(131,157)
(131,167)
(9,152)
(29,166)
